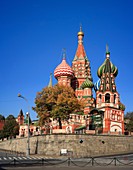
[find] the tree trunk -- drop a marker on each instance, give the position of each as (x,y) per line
(60,124)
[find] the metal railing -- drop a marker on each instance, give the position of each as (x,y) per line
(69,162)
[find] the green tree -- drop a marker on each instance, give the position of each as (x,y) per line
(10,117)
(11,127)
(2,117)
(129,121)
(1,134)
(57,102)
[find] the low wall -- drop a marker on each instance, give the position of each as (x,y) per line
(77,145)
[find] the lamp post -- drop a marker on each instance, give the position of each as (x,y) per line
(28,145)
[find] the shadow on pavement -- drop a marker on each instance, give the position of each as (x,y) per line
(1,168)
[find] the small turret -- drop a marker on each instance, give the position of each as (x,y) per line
(21,118)
(50,81)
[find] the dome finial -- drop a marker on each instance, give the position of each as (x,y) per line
(64,53)
(107,51)
(107,48)
(80,27)
(80,32)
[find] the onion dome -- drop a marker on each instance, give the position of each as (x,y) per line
(87,84)
(63,69)
(108,65)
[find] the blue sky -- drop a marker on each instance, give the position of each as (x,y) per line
(34,32)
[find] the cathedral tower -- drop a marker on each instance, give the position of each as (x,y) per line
(21,118)
(82,82)
(108,99)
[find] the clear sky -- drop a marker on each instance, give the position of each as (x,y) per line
(34,32)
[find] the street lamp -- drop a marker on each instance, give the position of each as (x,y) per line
(28,146)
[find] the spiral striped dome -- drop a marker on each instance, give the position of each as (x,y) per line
(113,68)
(87,84)
(63,69)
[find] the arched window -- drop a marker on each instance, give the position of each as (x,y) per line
(100,98)
(107,98)
(107,80)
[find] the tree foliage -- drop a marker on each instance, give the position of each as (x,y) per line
(10,117)
(2,117)
(129,121)
(57,102)
(2,134)
(11,127)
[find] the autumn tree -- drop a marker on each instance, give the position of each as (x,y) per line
(56,102)
(129,121)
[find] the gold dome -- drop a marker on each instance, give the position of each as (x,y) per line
(80,32)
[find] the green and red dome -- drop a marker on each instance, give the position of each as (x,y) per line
(107,63)
(87,84)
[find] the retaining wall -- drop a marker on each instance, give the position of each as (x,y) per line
(77,145)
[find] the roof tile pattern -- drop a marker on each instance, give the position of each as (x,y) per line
(87,84)
(63,69)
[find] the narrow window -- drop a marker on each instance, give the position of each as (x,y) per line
(107,98)
(114,98)
(100,98)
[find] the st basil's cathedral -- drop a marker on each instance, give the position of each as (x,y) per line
(105,112)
